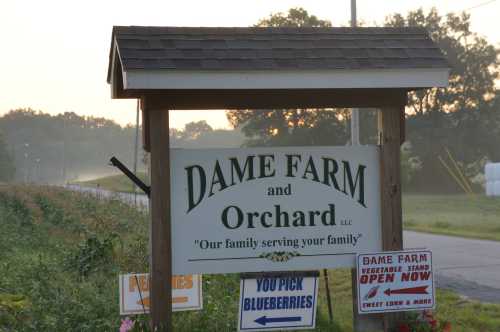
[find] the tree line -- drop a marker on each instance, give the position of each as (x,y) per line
(463,118)
(43,148)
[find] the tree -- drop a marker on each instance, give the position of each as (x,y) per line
(7,169)
(193,130)
(292,126)
(296,17)
(461,117)
(53,149)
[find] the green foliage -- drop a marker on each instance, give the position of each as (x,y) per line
(201,135)
(38,290)
(291,127)
(296,17)
(465,116)
(93,254)
(12,308)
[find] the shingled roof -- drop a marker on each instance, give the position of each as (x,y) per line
(189,49)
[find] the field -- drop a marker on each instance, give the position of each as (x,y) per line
(459,215)
(61,253)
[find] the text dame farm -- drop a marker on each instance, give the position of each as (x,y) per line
(206,181)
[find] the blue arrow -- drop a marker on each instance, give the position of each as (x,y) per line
(264,320)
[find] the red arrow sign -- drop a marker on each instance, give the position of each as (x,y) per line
(412,290)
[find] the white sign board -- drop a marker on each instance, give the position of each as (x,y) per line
(274,209)
(395,281)
(277,303)
(134,293)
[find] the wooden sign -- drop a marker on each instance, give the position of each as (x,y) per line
(395,281)
(135,299)
(274,209)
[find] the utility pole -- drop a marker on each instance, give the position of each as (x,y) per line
(355,111)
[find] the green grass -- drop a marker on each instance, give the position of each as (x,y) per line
(458,215)
(119,183)
(61,253)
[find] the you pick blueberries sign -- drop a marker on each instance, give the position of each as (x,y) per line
(274,209)
(278,302)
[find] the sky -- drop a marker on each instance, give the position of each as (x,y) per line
(54,53)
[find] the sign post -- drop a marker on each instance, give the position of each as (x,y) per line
(160,228)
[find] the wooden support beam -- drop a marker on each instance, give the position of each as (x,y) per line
(160,230)
(392,122)
(269,99)
(390,151)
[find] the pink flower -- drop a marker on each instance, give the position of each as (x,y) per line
(127,325)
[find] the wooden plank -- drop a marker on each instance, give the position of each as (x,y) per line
(160,231)
(269,99)
(390,162)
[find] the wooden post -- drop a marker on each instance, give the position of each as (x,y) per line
(392,218)
(160,236)
(390,126)
(390,168)
(366,322)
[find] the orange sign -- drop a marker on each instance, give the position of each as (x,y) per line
(134,293)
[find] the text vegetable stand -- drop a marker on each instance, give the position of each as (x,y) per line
(177,68)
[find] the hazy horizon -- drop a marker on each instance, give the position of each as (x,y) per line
(58,62)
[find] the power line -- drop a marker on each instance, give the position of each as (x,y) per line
(480,5)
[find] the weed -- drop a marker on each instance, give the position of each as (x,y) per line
(93,254)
